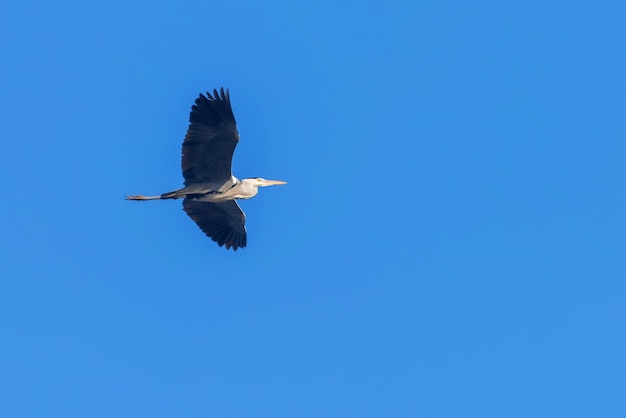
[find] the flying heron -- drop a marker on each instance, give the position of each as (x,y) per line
(210,192)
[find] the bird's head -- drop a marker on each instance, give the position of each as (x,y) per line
(261,182)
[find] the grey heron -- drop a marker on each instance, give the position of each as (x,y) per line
(210,192)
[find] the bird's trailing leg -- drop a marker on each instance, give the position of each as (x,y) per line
(140,197)
(170,195)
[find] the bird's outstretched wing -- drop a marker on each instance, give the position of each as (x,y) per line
(223,222)
(211,139)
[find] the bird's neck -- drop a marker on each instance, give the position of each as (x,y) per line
(247,190)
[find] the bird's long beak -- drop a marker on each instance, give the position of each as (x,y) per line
(273,182)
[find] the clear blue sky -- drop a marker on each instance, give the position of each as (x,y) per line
(450,243)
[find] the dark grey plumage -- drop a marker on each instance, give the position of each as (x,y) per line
(224,222)
(211,139)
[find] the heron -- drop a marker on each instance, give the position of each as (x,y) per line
(210,191)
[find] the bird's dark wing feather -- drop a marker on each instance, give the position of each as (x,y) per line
(223,222)
(211,139)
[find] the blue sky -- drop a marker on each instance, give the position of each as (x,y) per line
(450,243)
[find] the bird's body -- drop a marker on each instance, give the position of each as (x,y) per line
(210,188)
(214,192)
